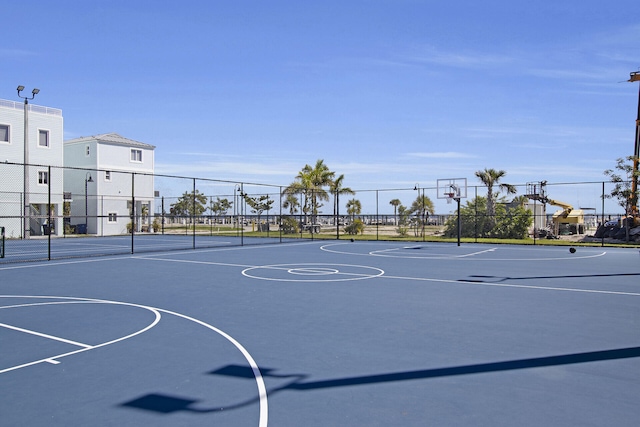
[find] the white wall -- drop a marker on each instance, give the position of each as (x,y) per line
(12,180)
(105,196)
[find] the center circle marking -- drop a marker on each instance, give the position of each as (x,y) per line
(315,272)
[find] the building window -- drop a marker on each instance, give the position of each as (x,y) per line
(87,151)
(4,133)
(113,217)
(43,177)
(107,176)
(43,138)
(136,155)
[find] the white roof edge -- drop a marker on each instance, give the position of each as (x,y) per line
(111,138)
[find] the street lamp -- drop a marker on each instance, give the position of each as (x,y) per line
(241,200)
(87,179)
(236,208)
(27,208)
(420,205)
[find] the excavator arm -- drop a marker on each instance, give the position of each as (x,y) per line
(567,208)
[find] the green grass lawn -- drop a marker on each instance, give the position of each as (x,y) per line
(431,234)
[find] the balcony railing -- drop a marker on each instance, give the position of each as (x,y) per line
(33,108)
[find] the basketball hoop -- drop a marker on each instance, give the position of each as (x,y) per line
(452,189)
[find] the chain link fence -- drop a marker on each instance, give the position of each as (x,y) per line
(54,212)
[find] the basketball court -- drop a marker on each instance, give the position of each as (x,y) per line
(323,333)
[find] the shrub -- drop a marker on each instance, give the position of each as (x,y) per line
(357,226)
(510,223)
(289,225)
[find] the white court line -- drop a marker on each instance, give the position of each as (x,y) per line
(262,389)
(509,285)
(147,256)
(41,303)
(87,301)
(289,267)
(476,253)
(506,285)
(187,261)
(40,334)
(281,267)
(56,263)
(440,256)
(431,256)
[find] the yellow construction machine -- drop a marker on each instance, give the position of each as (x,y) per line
(566,220)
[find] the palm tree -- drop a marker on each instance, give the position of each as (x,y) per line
(299,187)
(321,177)
(491,178)
(291,202)
(395,203)
(520,201)
(310,182)
(354,207)
(422,207)
(337,189)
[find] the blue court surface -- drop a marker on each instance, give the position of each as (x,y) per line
(324,333)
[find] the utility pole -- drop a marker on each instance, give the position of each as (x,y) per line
(635,77)
(26,217)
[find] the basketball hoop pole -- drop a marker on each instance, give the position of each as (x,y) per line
(453,189)
(459,220)
(455,194)
(450,198)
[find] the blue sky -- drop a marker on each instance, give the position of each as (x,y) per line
(389,93)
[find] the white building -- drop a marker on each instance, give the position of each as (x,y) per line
(27,192)
(110,179)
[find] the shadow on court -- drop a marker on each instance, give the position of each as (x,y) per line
(479,278)
(168,404)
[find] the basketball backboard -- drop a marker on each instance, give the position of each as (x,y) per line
(452,188)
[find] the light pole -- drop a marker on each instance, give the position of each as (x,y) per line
(87,179)
(236,208)
(27,208)
(241,199)
(420,206)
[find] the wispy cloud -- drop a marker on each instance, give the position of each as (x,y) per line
(229,169)
(12,53)
(599,56)
(460,59)
(442,155)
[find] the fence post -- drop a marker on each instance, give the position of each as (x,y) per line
(475,231)
(602,221)
(193,216)
(133,209)
(534,222)
(378,217)
(337,218)
(49,212)
(280,217)
(242,213)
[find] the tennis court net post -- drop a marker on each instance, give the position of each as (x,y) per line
(1,242)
